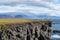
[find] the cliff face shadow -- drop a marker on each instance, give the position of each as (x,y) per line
(41,38)
(26,31)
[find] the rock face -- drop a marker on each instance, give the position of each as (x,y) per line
(26,31)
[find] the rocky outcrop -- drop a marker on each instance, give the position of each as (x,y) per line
(56,31)
(26,31)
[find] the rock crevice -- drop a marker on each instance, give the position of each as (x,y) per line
(27,31)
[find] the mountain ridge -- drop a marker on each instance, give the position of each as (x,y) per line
(27,16)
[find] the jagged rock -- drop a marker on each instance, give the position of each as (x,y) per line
(27,31)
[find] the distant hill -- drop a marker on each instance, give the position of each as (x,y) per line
(19,15)
(5,16)
(28,16)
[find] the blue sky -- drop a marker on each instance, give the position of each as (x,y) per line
(38,7)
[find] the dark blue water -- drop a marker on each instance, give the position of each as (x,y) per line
(55,36)
(56,26)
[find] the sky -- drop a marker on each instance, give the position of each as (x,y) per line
(38,7)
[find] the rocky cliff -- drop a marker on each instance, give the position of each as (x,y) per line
(26,31)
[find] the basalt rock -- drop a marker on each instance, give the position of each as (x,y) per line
(27,31)
(56,31)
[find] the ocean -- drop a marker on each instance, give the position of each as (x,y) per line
(55,36)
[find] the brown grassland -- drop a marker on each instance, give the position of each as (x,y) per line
(4,21)
(15,21)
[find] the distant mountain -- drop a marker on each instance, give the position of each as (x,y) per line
(5,16)
(27,16)
(48,17)
(21,16)
(12,15)
(18,15)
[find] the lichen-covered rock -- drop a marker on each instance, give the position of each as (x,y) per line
(27,31)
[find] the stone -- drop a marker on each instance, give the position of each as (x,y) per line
(27,31)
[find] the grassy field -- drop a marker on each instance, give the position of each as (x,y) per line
(4,21)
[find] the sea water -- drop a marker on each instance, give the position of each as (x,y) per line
(55,36)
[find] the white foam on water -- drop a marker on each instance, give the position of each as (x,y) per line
(55,36)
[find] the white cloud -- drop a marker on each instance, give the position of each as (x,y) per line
(51,0)
(6,11)
(48,4)
(28,2)
(33,6)
(30,9)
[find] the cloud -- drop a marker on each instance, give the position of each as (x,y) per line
(55,1)
(29,9)
(30,2)
(36,7)
(5,9)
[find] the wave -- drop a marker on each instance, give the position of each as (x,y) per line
(55,36)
